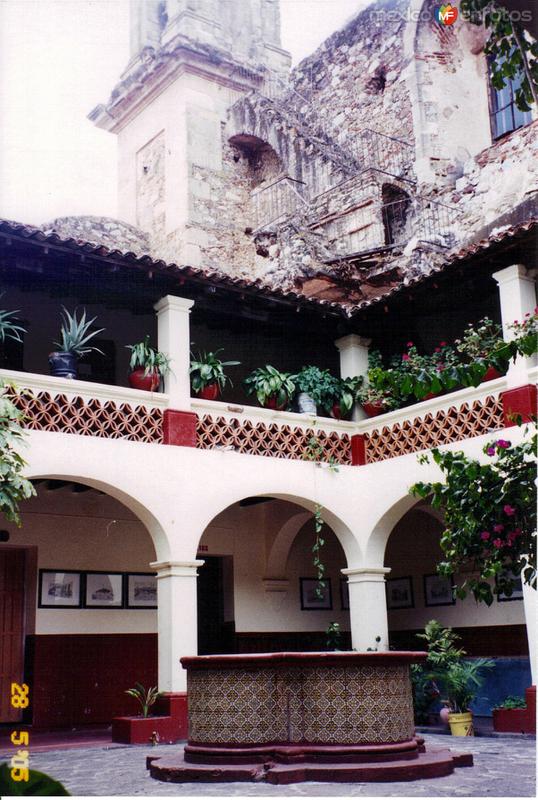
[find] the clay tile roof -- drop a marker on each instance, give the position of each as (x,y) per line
(325,292)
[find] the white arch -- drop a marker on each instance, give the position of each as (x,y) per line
(93,463)
(278,556)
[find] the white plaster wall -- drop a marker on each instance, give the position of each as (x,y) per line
(247,534)
(86,531)
(413,550)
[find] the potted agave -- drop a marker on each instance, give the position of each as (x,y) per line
(207,374)
(273,389)
(74,337)
(8,327)
(148,366)
(147,726)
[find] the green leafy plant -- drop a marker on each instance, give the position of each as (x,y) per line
(146,697)
(479,339)
(75,334)
(512,702)
(490,516)
(39,784)
(343,392)
(14,488)
(148,358)
(526,334)
(319,541)
(317,383)
(8,327)
(268,382)
(334,636)
(512,53)
(442,652)
(206,369)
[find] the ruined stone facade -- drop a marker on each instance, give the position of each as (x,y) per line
(373,157)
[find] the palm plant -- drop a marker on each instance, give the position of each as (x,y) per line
(146,697)
(75,335)
(461,681)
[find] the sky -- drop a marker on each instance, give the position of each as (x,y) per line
(59,59)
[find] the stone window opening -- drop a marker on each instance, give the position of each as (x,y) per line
(505,116)
(378,81)
(395,211)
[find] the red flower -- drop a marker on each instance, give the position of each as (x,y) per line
(405,357)
(485,535)
(443,344)
(497,543)
(498,528)
(490,451)
(509,510)
(437,349)
(503,443)
(409,344)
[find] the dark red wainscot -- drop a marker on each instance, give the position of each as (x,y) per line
(170,725)
(179,428)
(520,402)
(517,720)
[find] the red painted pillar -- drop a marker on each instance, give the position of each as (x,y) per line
(358,450)
(179,428)
(520,402)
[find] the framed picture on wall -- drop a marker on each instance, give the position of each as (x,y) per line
(311,599)
(438,590)
(344,594)
(141,590)
(517,592)
(400,593)
(59,589)
(103,590)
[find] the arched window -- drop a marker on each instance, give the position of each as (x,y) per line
(505,115)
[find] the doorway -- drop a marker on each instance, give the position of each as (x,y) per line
(216,626)
(12,619)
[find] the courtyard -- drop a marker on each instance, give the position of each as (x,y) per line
(503,767)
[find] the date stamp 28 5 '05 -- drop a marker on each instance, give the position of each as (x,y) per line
(20,762)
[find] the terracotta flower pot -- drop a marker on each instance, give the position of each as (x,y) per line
(373,409)
(336,412)
(271,402)
(148,383)
(491,374)
(209,392)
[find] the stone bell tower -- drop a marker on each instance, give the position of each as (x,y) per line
(190,61)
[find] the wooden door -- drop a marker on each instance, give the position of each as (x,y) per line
(12,567)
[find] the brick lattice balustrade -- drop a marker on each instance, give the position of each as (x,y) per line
(43,412)
(259,439)
(450,425)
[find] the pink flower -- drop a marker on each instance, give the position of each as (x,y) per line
(509,510)
(490,451)
(437,349)
(485,535)
(443,344)
(498,528)
(497,543)
(409,344)
(503,443)
(405,357)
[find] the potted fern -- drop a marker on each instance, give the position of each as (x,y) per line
(148,366)
(75,335)
(208,378)
(273,389)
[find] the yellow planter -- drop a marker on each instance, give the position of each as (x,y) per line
(461,724)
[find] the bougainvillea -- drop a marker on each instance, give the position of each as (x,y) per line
(490,516)
(13,486)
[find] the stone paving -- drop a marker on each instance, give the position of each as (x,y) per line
(503,768)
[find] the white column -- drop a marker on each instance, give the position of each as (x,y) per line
(177,620)
(354,361)
(517,293)
(174,340)
(368,607)
(530,602)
